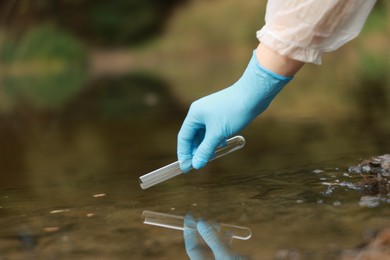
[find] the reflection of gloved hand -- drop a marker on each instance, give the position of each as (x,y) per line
(219,243)
(216,117)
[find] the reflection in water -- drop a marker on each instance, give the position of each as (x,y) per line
(65,141)
(218,241)
(197,233)
(53,162)
(114,130)
(178,223)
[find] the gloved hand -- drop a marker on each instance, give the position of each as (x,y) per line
(195,232)
(214,118)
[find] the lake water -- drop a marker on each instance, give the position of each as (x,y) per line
(69,181)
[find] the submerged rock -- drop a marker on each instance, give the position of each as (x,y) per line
(377,248)
(374,172)
(375,165)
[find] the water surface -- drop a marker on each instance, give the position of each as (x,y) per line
(69,184)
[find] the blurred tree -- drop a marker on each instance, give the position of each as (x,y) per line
(45,68)
(97,21)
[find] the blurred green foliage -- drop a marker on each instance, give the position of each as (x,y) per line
(377,21)
(95,21)
(209,43)
(374,68)
(44,42)
(45,68)
(205,47)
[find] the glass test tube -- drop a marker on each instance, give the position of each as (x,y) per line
(177,222)
(171,170)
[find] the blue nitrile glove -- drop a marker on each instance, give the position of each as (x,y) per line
(196,231)
(192,239)
(214,118)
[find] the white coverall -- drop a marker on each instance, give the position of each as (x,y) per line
(304,29)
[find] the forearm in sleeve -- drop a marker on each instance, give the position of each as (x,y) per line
(305,29)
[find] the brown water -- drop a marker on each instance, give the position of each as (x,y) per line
(69,182)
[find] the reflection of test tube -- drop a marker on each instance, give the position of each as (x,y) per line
(177,222)
(173,169)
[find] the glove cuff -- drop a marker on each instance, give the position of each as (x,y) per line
(258,86)
(270,73)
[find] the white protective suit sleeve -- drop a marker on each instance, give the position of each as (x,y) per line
(304,29)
